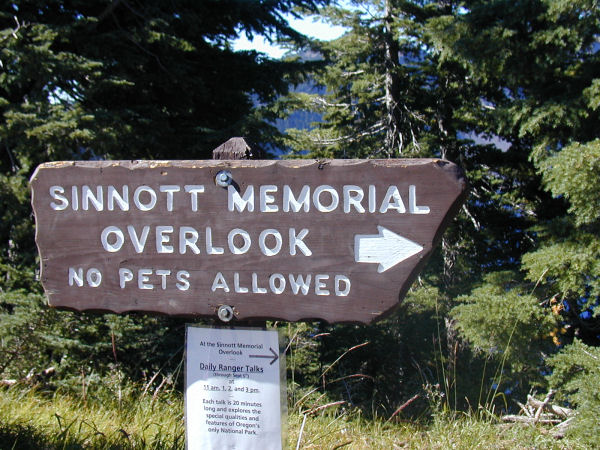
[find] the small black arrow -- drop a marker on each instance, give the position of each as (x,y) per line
(274,356)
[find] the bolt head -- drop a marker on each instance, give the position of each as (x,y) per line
(223,178)
(225,313)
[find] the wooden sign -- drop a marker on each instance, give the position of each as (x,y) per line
(338,240)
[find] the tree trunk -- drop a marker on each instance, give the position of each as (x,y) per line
(394,141)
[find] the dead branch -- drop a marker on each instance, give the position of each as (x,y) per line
(529,420)
(543,412)
(553,409)
(31,378)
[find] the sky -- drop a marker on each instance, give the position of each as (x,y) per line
(308,26)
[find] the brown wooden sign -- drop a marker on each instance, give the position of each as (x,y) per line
(338,240)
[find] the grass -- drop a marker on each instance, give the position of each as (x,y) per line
(30,419)
(461,432)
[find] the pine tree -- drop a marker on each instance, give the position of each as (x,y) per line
(547,101)
(389,80)
(368,104)
(539,60)
(122,79)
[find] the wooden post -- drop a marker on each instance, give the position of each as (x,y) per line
(237,148)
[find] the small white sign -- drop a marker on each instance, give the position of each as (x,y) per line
(232,392)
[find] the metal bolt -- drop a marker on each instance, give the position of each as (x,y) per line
(225,313)
(223,178)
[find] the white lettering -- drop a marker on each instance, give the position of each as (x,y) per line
(125,276)
(188,237)
(209,244)
(231,241)
(277,283)
(339,280)
(297,241)
(335,199)
(144,279)
(75,276)
(118,236)
(138,202)
(138,242)
(392,200)
(320,284)
(88,196)
(162,239)
(236,284)
(220,283)
(74,198)
(300,284)
(94,277)
(194,190)
(255,288)
(372,199)
(353,196)
(170,190)
(56,193)
(185,239)
(266,200)
(324,198)
(183,283)
(412,202)
(263,245)
(234,201)
(290,203)
(122,199)
(163,274)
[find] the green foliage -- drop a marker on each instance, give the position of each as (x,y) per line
(137,419)
(379,367)
(84,348)
(569,259)
(23,320)
(118,80)
(573,173)
(503,321)
(567,264)
(18,255)
(535,59)
(372,104)
(135,80)
(576,374)
(430,100)
(127,417)
(520,264)
(535,62)
(302,360)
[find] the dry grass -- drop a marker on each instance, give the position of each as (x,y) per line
(350,431)
(30,419)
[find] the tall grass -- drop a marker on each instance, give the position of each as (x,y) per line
(349,430)
(117,414)
(31,419)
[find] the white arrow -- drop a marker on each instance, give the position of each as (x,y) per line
(386,248)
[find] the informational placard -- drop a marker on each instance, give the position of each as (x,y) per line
(232,389)
(338,240)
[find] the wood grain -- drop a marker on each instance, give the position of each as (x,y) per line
(72,239)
